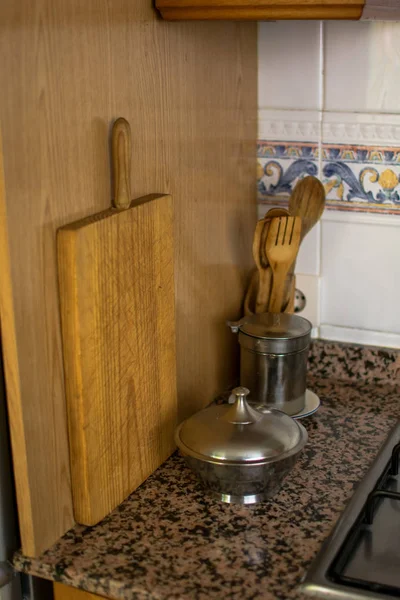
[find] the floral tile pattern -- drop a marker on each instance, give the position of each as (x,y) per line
(281,165)
(356,177)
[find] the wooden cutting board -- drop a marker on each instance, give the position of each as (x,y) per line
(116,278)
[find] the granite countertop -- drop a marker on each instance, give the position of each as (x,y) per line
(168,540)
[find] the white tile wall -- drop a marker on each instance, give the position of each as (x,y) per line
(289,70)
(339,82)
(362,66)
(360,273)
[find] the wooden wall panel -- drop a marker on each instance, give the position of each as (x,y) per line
(68,69)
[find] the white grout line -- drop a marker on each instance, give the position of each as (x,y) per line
(374,112)
(321,109)
(321,66)
(321,92)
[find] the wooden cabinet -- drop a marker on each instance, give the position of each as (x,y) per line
(259,10)
(64,592)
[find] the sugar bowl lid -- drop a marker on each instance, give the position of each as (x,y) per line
(237,433)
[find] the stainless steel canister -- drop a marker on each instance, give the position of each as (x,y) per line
(273,359)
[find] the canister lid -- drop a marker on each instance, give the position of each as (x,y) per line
(276,326)
(278,333)
(237,433)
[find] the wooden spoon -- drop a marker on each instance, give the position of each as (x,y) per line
(307,202)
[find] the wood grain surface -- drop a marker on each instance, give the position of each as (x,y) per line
(259,9)
(10,358)
(116,273)
(121,144)
(189,91)
(64,592)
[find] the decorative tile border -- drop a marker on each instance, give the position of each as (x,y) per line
(364,129)
(362,176)
(361,129)
(356,177)
(288,125)
(281,165)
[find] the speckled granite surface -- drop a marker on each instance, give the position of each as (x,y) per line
(168,540)
(352,362)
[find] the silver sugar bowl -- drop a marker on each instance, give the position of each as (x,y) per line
(241,455)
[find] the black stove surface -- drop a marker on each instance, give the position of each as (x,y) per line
(370,556)
(361,559)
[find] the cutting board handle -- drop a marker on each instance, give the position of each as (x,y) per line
(121,159)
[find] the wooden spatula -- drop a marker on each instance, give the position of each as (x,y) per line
(281,249)
(263,273)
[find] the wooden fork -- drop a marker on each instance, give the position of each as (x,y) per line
(262,280)
(281,248)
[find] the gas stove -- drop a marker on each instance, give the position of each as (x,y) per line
(361,558)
